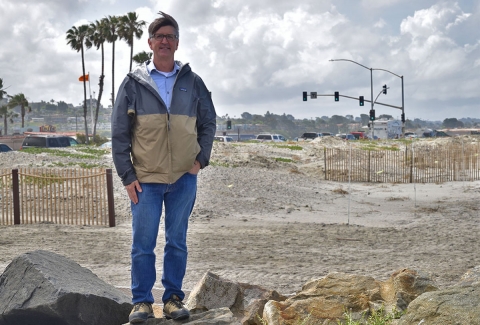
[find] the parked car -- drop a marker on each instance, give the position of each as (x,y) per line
(359,135)
(5,148)
(308,136)
(324,134)
(223,138)
(346,136)
(434,134)
(73,142)
(271,138)
(410,135)
(106,145)
(47,141)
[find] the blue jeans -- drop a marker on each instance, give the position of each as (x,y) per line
(178,199)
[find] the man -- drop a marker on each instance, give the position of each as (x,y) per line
(163,125)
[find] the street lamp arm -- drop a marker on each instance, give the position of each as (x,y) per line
(388,72)
(378,96)
(352,62)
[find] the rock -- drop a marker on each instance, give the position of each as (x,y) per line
(251,301)
(403,287)
(212,292)
(455,305)
(452,306)
(244,300)
(42,287)
(328,298)
(325,299)
(471,277)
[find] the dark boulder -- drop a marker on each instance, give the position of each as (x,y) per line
(42,287)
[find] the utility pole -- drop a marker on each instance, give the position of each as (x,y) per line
(371,90)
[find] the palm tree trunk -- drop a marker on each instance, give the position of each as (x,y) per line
(113,74)
(131,56)
(22,112)
(5,123)
(85,99)
(100,92)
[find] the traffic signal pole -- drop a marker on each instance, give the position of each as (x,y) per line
(371,96)
(371,89)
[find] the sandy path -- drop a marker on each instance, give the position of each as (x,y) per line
(280,229)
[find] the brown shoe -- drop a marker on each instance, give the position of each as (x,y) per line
(173,309)
(140,313)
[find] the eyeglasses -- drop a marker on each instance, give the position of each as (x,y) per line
(160,37)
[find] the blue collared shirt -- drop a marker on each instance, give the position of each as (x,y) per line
(164,81)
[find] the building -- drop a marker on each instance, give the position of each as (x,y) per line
(386,129)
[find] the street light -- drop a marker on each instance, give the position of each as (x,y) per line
(371,86)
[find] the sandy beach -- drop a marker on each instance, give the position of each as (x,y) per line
(273,225)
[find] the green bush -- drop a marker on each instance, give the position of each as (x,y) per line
(97,140)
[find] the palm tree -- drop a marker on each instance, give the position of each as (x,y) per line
(142,57)
(130,27)
(7,114)
(97,36)
(20,100)
(112,23)
(76,38)
(2,90)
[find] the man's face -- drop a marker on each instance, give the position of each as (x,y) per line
(163,48)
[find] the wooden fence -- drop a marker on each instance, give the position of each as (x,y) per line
(61,196)
(435,164)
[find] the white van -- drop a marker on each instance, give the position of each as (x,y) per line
(271,138)
(223,138)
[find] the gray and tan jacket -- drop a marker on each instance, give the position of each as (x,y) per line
(156,146)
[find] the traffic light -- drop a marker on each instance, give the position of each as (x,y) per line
(372,115)
(403,117)
(304,96)
(360,99)
(229,125)
(337,96)
(385,89)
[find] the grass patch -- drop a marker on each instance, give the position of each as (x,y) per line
(289,147)
(219,164)
(88,153)
(374,147)
(285,160)
(80,164)
(93,151)
(377,317)
(391,198)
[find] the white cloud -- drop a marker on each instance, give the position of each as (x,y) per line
(460,19)
(380,23)
(434,20)
(369,4)
(259,55)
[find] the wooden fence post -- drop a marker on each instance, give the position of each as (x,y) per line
(16,197)
(111,205)
(325,160)
(369,166)
(411,164)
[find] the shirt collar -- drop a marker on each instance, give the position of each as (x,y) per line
(151,68)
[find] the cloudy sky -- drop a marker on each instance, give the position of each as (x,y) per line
(258,56)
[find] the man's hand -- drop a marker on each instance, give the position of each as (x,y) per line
(132,189)
(195,169)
